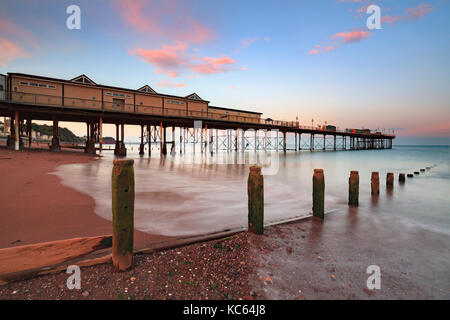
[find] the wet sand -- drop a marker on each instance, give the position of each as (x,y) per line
(35,207)
(314,260)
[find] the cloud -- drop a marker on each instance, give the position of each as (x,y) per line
(414,13)
(233,87)
(168,59)
(170,84)
(168,18)
(212,65)
(15,42)
(389,19)
(173,60)
(351,36)
(418,12)
(10,51)
(267,39)
(247,42)
(314,52)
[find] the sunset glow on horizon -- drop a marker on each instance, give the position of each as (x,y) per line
(315,60)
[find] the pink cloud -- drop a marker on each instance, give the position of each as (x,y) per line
(243,68)
(414,13)
(10,51)
(267,39)
(389,19)
(212,65)
(172,60)
(441,129)
(167,60)
(247,42)
(169,18)
(352,36)
(419,11)
(314,51)
(233,87)
(170,84)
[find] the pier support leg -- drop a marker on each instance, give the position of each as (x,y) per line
(299,142)
(206,138)
(122,214)
(295,141)
(16,131)
(324,142)
(265,140)
(100,135)
(284,141)
(318,194)
(141,146)
(375,183)
(55,139)
(181,139)
(334,145)
(255,190)
(122,150)
(353,189)
(29,132)
(149,139)
(217,140)
(117,146)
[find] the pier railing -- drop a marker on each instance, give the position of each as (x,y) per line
(98,105)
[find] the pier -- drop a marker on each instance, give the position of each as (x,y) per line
(185,120)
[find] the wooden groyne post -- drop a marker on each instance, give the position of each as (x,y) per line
(318,194)
(401,178)
(353,189)
(390,180)
(123,214)
(255,189)
(375,183)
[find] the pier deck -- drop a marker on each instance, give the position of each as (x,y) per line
(154,122)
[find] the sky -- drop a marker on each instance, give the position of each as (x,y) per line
(315,60)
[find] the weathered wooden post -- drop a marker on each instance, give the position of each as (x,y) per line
(390,180)
(353,189)
(255,189)
(123,214)
(318,194)
(401,178)
(375,183)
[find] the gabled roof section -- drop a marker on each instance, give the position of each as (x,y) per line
(147,89)
(194,96)
(83,79)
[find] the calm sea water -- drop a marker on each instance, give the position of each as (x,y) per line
(177,197)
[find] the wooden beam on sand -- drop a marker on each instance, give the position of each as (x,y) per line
(31,258)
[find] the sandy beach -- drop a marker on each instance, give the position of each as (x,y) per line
(35,207)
